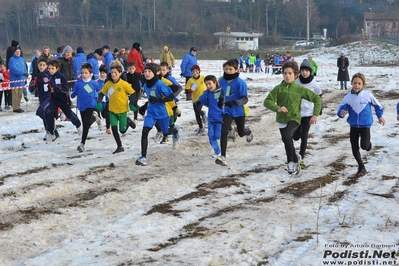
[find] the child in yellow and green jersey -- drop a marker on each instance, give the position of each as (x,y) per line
(196,86)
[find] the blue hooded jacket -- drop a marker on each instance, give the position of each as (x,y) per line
(358,106)
(187,63)
(17,67)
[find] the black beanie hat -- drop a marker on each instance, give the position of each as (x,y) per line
(99,51)
(136,46)
(80,50)
(152,68)
(14,43)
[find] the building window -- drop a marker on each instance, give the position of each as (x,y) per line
(51,14)
(251,39)
(368,24)
(237,38)
(41,12)
(394,25)
(246,38)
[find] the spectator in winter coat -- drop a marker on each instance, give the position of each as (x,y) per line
(189,60)
(137,57)
(78,61)
(18,72)
(66,67)
(46,53)
(343,73)
(167,56)
(108,57)
(11,50)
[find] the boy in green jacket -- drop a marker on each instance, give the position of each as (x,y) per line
(285,99)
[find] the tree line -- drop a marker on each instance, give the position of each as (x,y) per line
(180,23)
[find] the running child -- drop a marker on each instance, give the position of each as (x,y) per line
(196,86)
(234,96)
(210,99)
(41,81)
(104,113)
(59,98)
(285,99)
(86,89)
(357,103)
(158,94)
(307,80)
(118,91)
(135,80)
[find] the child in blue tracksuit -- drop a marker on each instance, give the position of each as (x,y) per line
(158,94)
(59,97)
(233,97)
(210,99)
(41,81)
(358,104)
(86,89)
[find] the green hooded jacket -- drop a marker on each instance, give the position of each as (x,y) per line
(290,95)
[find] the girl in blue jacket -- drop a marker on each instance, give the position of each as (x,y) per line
(86,89)
(358,104)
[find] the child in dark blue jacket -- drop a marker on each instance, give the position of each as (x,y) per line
(59,97)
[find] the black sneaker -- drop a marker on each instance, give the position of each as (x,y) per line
(19,110)
(131,123)
(370,147)
(361,172)
(119,149)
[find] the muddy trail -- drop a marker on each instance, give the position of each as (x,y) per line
(176,185)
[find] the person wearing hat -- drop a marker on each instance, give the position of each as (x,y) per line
(108,57)
(307,80)
(18,68)
(167,56)
(66,67)
(11,50)
(78,61)
(315,67)
(158,94)
(92,59)
(136,56)
(343,73)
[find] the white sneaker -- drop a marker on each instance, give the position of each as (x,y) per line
(79,129)
(98,120)
(221,160)
(81,147)
(291,167)
(141,161)
(158,137)
(215,156)
(50,138)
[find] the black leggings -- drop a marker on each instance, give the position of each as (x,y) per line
(87,120)
(364,134)
(198,114)
(226,126)
(286,135)
(302,133)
